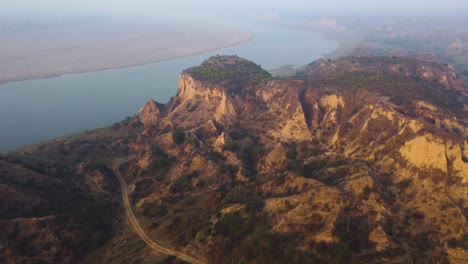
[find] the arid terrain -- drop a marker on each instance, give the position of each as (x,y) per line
(363,159)
(31,50)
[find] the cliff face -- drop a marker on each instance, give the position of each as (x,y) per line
(208,101)
(355,160)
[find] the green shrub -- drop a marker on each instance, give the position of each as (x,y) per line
(232,225)
(295,166)
(184,183)
(404,183)
(229,169)
(340,173)
(261,243)
(315,223)
(255,202)
(160,161)
(95,165)
(231,145)
(291,153)
(462,242)
(178,137)
(234,196)
(452,243)
(215,69)
(248,162)
(151,210)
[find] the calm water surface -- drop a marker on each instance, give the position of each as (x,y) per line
(36,110)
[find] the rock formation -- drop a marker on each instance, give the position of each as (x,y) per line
(361,159)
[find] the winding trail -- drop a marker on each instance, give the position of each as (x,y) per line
(136,226)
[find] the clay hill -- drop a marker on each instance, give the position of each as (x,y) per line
(356,160)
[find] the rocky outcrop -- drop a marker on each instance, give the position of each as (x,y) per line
(150,113)
(425,152)
(206,99)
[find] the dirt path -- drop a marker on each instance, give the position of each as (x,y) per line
(136,226)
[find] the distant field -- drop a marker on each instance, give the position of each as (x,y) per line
(32,50)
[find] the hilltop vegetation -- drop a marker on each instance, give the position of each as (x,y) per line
(229,68)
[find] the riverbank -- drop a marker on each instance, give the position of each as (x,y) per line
(246,39)
(36,110)
(39,55)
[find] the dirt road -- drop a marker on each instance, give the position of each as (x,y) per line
(136,226)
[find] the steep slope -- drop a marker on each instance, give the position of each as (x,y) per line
(53,215)
(355,160)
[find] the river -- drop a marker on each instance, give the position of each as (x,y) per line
(35,110)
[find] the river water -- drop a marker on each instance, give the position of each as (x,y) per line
(35,110)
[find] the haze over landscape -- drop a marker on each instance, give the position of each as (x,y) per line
(233,131)
(152,6)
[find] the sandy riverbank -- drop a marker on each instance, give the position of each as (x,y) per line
(35,55)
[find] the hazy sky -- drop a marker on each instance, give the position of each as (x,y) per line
(148,5)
